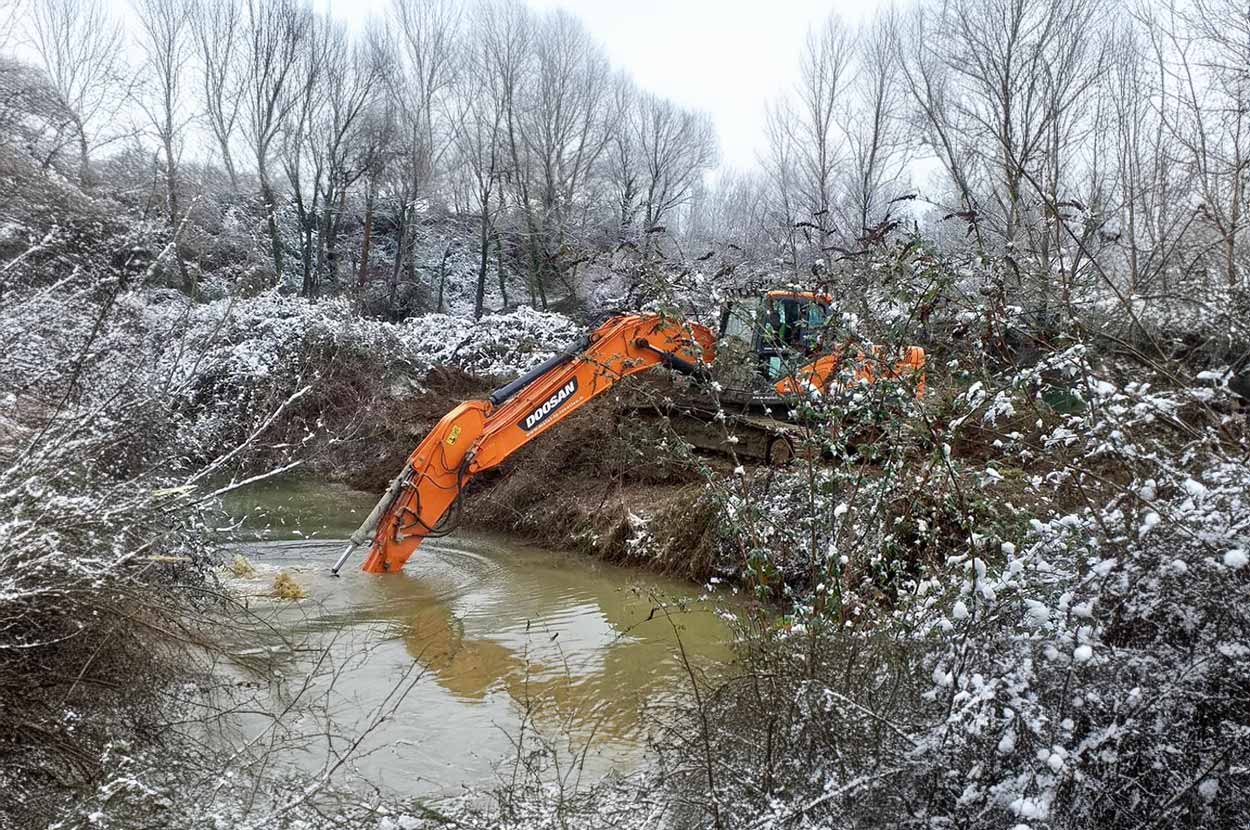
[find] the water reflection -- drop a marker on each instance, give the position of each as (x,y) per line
(561,637)
(505,633)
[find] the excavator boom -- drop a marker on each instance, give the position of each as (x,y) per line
(478,435)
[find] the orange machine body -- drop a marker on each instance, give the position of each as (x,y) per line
(480,434)
(818,374)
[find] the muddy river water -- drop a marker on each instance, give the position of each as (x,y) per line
(479,637)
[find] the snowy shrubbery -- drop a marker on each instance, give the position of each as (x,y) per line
(1024,603)
(253,341)
(102,549)
(234,361)
(496,346)
(1096,673)
(1099,673)
(1052,636)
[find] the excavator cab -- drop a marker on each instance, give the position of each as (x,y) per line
(789,338)
(791,328)
(783,329)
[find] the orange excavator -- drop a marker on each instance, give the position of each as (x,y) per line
(480,434)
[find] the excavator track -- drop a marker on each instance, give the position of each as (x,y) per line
(739,424)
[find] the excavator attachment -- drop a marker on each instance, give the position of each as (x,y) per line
(478,435)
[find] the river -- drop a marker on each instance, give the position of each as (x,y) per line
(479,638)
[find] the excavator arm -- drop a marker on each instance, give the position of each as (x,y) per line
(478,435)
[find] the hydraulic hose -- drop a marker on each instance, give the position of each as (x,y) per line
(507,391)
(365,532)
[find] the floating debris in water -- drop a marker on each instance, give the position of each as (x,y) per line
(241,568)
(285,587)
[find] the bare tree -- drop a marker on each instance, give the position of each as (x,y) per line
(676,148)
(932,90)
(351,75)
(165,40)
(321,52)
(558,85)
(999,86)
(781,170)
(423,51)
(1156,189)
(479,131)
(218,28)
(621,158)
(506,33)
(1211,60)
(728,214)
(378,136)
(806,139)
(875,129)
(825,77)
(275,36)
(79,44)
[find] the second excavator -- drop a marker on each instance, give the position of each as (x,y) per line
(790,359)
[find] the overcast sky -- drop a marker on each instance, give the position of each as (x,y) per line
(725,57)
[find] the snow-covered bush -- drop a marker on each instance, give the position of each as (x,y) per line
(102,550)
(496,346)
(231,362)
(1098,674)
(1034,615)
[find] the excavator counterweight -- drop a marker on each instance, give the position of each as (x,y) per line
(478,435)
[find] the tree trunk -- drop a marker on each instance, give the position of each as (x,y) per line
(398,268)
(536,266)
(331,239)
(479,295)
(227,160)
(503,283)
(306,220)
(230,171)
(86,179)
(268,202)
(311,276)
(323,237)
(410,260)
(442,277)
(1234,224)
(171,187)
(362,276)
